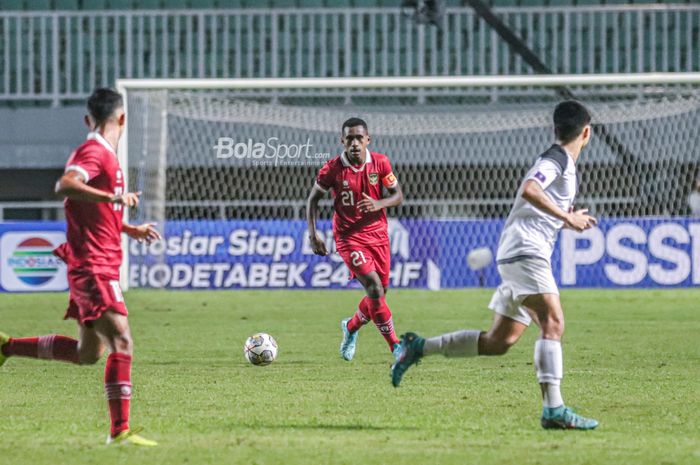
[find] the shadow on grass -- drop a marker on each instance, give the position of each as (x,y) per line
(331,427)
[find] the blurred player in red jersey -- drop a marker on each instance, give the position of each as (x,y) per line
(356,178)
(95,197)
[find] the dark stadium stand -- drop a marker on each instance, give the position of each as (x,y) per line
(174,4)
(165,45)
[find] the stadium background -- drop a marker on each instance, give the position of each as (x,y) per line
(55,52)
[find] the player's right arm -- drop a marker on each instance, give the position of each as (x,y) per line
(72,185)
(578,220)
(324,182)
(318,245)
(83,165)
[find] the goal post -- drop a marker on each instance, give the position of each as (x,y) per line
(239,149)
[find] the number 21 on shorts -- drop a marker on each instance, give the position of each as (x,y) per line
(358,257)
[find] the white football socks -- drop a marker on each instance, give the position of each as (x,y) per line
(549,364)
(463,343)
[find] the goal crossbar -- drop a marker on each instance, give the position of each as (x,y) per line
(413,81)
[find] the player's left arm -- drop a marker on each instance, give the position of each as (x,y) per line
(389,181)
(578,220)
(369,204)
(142,232)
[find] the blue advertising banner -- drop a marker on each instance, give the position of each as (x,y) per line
(433,254)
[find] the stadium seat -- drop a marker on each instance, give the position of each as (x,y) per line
(256,4)
(205,4)
(94,4)
(285,4)
(66,5)
(178,4)
(365,3)
(12,4)
(38,5)
(507,3)
(607,2)
(149,4)
(121,4)
(230,4)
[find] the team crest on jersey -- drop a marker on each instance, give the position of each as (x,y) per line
(345,183)
(373,178)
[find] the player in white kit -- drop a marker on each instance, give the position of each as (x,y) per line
(543,205)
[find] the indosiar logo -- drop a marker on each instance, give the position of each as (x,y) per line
(28,263)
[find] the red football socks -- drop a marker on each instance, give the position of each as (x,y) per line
(381,316)
(361,317)
(118,389)
(51,347)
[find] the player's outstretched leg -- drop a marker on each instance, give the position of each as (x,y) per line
(464,343)
(51,347)
(4,339)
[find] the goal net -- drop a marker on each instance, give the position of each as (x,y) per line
(250,149)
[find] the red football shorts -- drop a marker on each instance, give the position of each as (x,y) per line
(93,294)
(362,260)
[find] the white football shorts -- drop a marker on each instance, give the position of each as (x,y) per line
(520,279)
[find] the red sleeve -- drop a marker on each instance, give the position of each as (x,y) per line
(85,161)
(326,177)
(388,178)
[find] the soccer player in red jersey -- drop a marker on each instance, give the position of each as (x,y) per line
(95,197)
(356,178)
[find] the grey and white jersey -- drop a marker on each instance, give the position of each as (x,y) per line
(530,232)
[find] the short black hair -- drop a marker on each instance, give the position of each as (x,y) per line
(352,122)
(103,103)
(570,117)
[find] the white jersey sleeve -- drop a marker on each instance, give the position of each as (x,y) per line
(544,172)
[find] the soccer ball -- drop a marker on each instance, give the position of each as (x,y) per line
(260,349)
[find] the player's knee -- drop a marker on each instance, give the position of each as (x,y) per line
(123,344)
(552,326)
(90,358)
(374,290)
(501,347)
(498,346)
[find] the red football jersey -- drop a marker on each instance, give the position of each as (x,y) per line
(348,184)
(94,229)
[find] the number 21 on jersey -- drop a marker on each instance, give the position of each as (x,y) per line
(347,198)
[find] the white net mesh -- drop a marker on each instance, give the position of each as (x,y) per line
(458,152)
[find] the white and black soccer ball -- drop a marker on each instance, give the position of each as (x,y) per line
(260,349)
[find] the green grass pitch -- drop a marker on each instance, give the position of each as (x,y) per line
(632,360)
